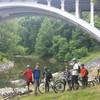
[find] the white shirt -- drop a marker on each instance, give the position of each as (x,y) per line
(75,69)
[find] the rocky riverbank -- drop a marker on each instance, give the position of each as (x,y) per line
(9,91)
(17,86)
(6,66)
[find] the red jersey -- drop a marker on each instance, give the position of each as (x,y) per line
(83,72)
(28,74)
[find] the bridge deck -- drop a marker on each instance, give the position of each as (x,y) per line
(69,4)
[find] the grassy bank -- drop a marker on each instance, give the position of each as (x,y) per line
(86,94)
(91,56)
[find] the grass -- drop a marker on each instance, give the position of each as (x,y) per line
(90,57)
(85,94)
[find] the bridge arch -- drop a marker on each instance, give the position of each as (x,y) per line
(11,10)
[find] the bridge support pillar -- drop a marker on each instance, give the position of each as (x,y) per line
(62,5)
(92,12)
(77,8)
(49,2)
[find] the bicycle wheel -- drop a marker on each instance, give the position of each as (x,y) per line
(42,87)
(91,84)
(59,86)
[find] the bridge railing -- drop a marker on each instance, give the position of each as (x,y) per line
(74,6)
(18,0)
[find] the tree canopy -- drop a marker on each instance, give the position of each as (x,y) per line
(46,37)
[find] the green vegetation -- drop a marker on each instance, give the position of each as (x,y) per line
(91,56)
(49,42)
(45,37)
(20,65)
(85,94)
(44,40)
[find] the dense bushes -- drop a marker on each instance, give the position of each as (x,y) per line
(48,38)
(3,57)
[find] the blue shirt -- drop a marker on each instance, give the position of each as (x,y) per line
(36,74)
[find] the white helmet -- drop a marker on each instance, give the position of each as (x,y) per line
(28,66)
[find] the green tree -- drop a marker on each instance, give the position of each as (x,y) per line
(59,47)
(97,21)
(44,38)
(30,27)
(9,38)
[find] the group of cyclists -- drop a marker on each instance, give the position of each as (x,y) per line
(33,77)
(71,76)
(76,73)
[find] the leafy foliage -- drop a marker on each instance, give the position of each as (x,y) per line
(48,38)
(44,38)
(9,38)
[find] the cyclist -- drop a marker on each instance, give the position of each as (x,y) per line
(84,75)
(47,75)
(28,75)
(67,77)
(75,73)
(36,77)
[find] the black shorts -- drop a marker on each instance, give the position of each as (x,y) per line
(28,82)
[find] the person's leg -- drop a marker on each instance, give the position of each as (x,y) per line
(31,82)
(36,86)
(47,86)
(28,83)
(76,81)
(69,85)
(73,81)
(86,81)
(83,81)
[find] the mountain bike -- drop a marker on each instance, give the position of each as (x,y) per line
(56,86)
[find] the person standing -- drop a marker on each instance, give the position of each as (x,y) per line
(36,76)
(47,75)
(75,74)
(67,78)
(28,76)
(84,75)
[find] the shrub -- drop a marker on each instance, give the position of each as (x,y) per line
(79,53)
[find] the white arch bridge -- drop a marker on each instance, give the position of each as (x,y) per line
(16,8)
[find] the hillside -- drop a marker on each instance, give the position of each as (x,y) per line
(91,57)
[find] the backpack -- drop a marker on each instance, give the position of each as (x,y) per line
(79,69)
(49,76)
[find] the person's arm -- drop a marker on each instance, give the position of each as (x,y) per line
(32,77)
(43,75)
(23,73)
(39,74)
(33,74)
